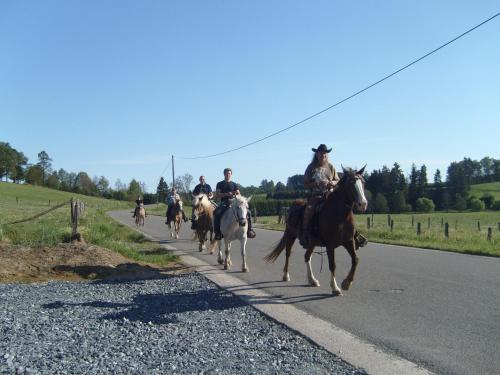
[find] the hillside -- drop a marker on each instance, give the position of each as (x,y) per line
(492,188)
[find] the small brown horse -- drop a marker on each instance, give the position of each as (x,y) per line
(140,214)
(176,217)
(335,227)
(204,212)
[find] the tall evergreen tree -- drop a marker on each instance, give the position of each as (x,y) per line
(413,187)
(422,184)
(162,190)
(45,163)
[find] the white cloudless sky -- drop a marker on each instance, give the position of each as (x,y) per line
(115,88)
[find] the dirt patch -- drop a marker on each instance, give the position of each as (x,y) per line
(74,262)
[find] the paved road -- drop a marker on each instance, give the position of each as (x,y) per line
(440,310)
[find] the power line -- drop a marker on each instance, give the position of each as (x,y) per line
(345,99)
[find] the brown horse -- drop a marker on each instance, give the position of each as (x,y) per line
(176,217)
(204,212)
(334,227)
(140,214)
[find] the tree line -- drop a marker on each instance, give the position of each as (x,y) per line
(387,189)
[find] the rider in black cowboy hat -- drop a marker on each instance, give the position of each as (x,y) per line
(320,176)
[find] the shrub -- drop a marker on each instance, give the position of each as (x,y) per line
(424,205)
(488,200)
(460,203)
(496,206)
(476,204)
(380,204)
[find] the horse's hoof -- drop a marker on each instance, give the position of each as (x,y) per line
(337,293)
(314,282)
(346,284)
(221,262)
(245,269)
(286,277)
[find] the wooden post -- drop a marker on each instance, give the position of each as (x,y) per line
(498,226)
(442,220)
(17,201)
(374,222)
(368,222)
(429,222)
(75,214)
(412,221)
(388,220)
(49,202)
(254,215)
(279,215)
(392,225)
(456,224)
(446,230)
(489,234)
(479,225)
(418,229)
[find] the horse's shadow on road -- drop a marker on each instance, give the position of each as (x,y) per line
(176,306)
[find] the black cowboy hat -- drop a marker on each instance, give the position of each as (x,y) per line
(322,148)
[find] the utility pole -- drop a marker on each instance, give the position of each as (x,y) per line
(173,172)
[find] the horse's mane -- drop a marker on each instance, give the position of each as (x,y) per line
(205,202)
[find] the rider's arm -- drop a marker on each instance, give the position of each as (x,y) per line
(309,183)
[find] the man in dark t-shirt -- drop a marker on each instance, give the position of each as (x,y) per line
(226,190)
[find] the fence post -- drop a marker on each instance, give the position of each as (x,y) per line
(388,220)
(49,202)
(418,228)
(17,201)
(479,225)
(412,221)
(498,226)
(446,230)
(392,225)
(254,215)
(442,220)
(489,233)
(456,224)
(75,214)
(368,222)
(429,222)
(374,222)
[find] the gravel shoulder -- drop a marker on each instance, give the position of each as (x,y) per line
(176,324)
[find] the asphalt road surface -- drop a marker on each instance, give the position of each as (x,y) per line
(437,309)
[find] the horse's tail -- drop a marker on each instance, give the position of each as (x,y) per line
(286,240)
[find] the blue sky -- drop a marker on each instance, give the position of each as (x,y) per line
(115,88)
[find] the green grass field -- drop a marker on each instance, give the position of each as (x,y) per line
(23,201)
(492,188)
(464,234)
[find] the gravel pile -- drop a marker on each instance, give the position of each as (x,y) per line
(176,325)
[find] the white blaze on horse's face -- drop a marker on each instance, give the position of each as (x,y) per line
(241,207)
(361,200)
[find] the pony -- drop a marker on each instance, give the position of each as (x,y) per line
(333,224)
(176,217)
(203,210)
(233,226)
(140,214)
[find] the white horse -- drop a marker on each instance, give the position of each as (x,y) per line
(233,226)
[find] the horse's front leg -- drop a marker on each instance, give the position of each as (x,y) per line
(243,243)
(310,277)
(350,247)
(331,263)
(227,261)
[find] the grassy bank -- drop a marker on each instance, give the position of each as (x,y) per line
(18,202)
(464,234)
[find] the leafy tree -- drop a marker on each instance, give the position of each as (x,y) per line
(134,190)
(295,182)
(102,186)
(488,200)
(424,205)
(397,202)
(457,181)
(476,204)
(280,186)
(53,181)
(267,186)
(460,203)
(34,175)
(120,186)
(186,182)
(44,161)
(380,203)
(84,185)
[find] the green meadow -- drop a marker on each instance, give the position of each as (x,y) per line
(492,188)
(18,202)
(464,233)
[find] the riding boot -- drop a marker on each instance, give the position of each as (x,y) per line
(217,215)
(360,240)
(193,224)
(184,217)
(250,231)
